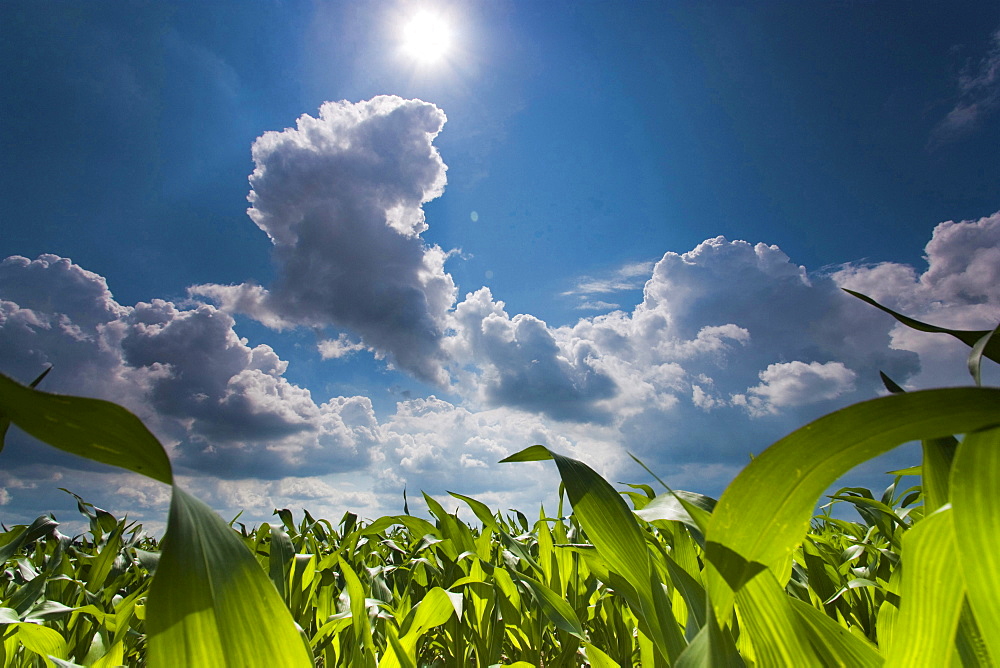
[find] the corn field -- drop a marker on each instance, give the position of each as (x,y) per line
(630,577)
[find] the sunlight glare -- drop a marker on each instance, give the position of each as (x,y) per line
(427,37)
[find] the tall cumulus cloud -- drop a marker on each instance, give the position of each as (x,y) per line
(340,197)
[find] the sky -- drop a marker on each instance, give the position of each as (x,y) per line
(326,256)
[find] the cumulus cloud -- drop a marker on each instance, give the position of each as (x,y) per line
(434,445)
(732,346)
(713,322)
(340,197)
(223,407)
(960,289)
(519,363)
(796,384)
(978,97)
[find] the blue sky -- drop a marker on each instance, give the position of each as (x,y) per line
(606,228)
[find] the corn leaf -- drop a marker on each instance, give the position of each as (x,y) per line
(613,530)
(672,507)
(935,471)
(5,421)
(779,638)
(210,603)
(765,511)
(976,355)
(968,337)
(835,645)
(711,648)
(555,607)
(975,479)
(41,640)
(91,428)
(931,595)
(598,658)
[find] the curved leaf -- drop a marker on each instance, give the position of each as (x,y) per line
(91,428)
(991,349)
(211,604)
(765,511)
(614,531)
(975,478)
(555,607)
(931,595)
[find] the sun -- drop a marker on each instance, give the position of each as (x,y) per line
(427,37)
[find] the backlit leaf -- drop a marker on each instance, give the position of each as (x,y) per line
(766,510)
(210,603)
(91,428)
(975,479)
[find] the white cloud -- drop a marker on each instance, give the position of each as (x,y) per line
(223,408)
(797,384)
(630,276)
(519,363)
(711,321)
(597,305)
(978,97)
(433,445)
(341,198)
(342,346)
(960,290)
(732,346)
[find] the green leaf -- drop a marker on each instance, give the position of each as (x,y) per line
(42,640)
(398,657)
(62,663)
(597,657)
(935,471)
(359,610)
(482,511)
(766,615)
(697,508)
(765,511)
(434,609)
(210,603)
(711,648)
(5,421)
(931,595)
(975,479)
(535,453)
(42,526)
(969,642)
(676,505)
(968,337)
(555,607)
(91,428)
(613,530)
(976,355)
(279,560)
(835,645)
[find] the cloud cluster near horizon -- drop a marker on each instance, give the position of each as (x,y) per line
(732,344)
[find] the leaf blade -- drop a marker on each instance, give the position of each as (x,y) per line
(91,428)
(210,603)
